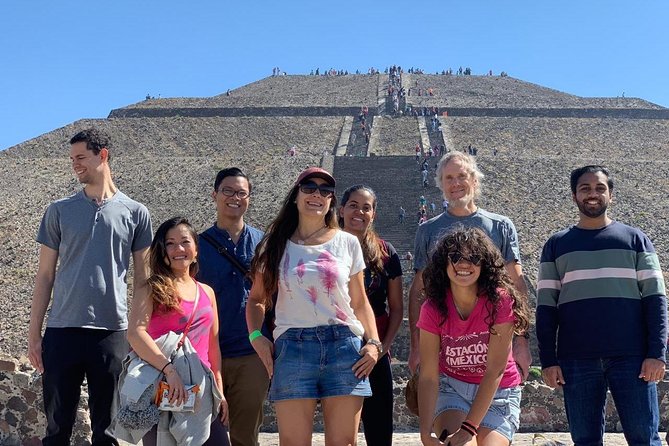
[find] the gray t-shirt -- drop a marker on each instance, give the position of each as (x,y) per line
(94,245)
(498,227)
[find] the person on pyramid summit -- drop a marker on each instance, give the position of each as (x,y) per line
(326,342)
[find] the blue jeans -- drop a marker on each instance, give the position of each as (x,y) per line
(315,363)
(585,396)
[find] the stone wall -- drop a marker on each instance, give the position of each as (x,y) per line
(22,421)
(208,112)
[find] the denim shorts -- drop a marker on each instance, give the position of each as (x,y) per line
(317,363)
(503,416)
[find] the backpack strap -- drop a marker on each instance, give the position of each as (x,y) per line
(224,252)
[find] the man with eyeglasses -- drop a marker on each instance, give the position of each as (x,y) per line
(459,179)
(245,380)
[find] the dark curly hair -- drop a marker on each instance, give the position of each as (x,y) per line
(473,241)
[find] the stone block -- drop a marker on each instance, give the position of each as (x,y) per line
(22,379)
(29,396)
(17,404)
(7,364)
(31,416)
(32,441)
(11,419)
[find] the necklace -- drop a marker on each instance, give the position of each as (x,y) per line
(460,312)
(302,240)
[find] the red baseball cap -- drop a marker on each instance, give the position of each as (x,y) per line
(316,172)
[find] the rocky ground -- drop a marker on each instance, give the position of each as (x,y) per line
(502,92)
(398,136)
(565,137)
(286,91)
(413,439)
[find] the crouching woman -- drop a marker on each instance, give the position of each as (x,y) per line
(469,386)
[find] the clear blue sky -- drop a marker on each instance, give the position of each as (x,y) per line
(66,60)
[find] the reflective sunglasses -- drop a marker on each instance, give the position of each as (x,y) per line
(241,194)
(457,257)
(325,190)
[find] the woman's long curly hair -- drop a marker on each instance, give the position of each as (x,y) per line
(160,281)
(270,250)
(473,242)
(373,251)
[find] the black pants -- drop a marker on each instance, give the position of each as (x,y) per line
(69,355)
(377,410)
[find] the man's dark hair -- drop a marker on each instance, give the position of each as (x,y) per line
(230,172)
(576,174)
(95,140)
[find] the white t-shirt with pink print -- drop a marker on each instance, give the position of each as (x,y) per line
(313,284)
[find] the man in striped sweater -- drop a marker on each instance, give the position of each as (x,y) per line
(602,317)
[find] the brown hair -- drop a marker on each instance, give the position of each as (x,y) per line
(272,246)
(161,285)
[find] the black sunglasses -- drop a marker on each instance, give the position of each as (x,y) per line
(456,257)
(325,190)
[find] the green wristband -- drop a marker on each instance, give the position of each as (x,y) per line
(255,334)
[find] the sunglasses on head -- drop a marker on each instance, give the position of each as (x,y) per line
(457,257)
(325,190)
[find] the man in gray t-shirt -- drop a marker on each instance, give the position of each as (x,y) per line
(458,178)
(91,237)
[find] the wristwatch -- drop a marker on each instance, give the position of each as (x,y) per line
(376,344)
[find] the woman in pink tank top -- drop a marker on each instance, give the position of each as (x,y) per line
(168,306)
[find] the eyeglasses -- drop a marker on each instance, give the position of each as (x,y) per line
(325,190)
(457,257)
(241,194)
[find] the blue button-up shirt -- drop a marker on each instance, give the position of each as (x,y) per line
(230,286)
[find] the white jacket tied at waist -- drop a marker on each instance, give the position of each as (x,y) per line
(174,428)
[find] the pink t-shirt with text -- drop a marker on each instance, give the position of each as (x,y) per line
(464,344)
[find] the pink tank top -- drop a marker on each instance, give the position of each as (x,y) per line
(162,323)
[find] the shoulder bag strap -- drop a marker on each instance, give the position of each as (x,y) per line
(224,252)
(190,321)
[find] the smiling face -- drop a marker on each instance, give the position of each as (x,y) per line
(232,208)
(180,248)
(87,166)
(464,273)
(459,184)
(593,195)
(358,212)
(313,204)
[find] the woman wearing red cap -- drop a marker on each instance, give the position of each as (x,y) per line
(326,343)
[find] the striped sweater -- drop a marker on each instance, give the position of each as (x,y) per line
(600,294)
